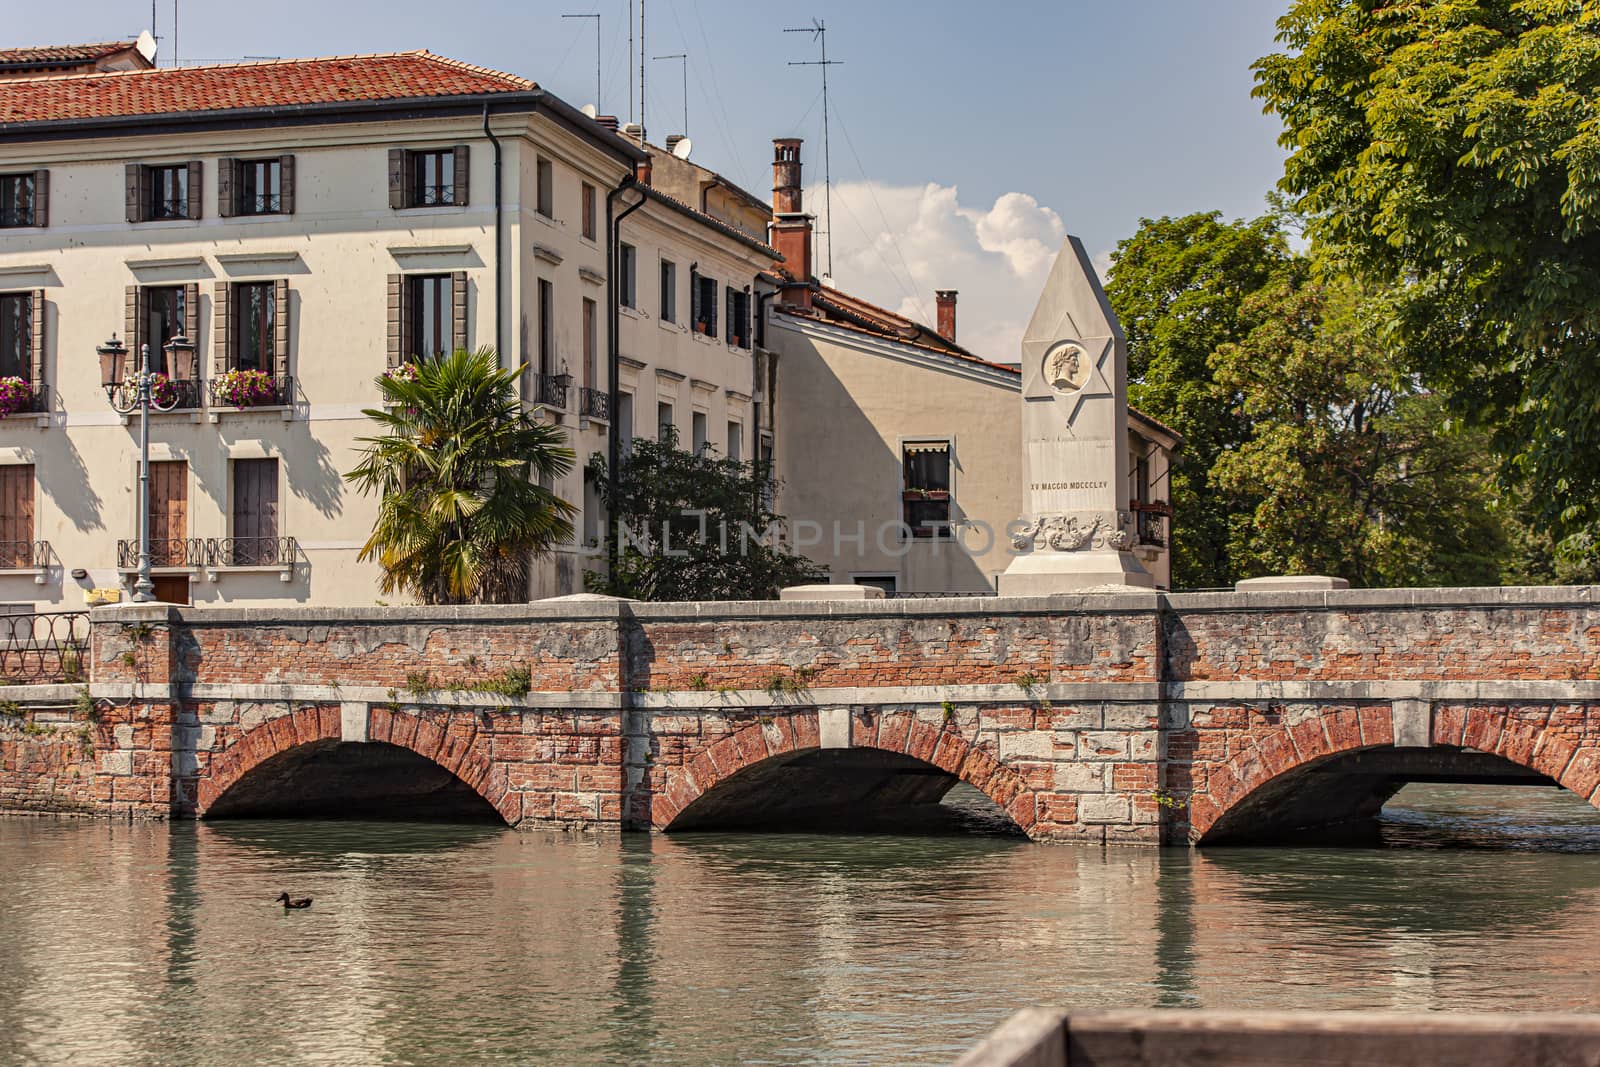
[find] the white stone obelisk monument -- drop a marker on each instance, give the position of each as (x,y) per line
(1076,531)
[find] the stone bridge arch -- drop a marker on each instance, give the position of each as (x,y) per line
(781,737)
(1350,762)
(449,741)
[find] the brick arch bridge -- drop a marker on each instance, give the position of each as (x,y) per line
(1110,718)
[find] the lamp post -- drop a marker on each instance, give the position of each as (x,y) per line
(143,382)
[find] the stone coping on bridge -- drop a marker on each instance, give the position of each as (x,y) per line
(606,609)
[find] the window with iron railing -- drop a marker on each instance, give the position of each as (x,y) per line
(925,497)
(433,178)
(258,188)
(168,191)
(17,200)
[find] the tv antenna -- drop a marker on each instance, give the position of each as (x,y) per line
(819,33)
(684,56)
(596,18)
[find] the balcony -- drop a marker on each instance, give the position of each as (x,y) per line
(168,394)
(251,551)
(1151,523)
(243,390)
(18,397)
(26,557)
(551,390)
(594,404)
(172,553)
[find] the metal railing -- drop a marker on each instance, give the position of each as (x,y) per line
(38,649)
(24,555)
(164,552)
(187,394)
(550,390)
(595,404)
(251,551)
(1151,520)
(278,392)
(37,401)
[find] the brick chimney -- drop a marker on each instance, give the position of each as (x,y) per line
(791,226)
(641,171)
(946,299)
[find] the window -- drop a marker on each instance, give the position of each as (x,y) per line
(735,441)
(166,312)
(545,188)
(664,426)
(738,329)
(703,292)
(16,335)
(19,199)
(432,177)
(699,431)
(588,211)
(163,191)
(589,339)
(169,192)
(627,281)
(253,321)
(926,495)
(430,307)
(625,422)
(669,291)
(255,514)
(258,188)
(547,326)
(16,515)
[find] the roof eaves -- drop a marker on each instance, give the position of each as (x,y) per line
(715,223)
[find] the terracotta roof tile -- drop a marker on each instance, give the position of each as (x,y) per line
(53,54)
(224,87)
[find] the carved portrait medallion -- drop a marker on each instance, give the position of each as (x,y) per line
(1066,367)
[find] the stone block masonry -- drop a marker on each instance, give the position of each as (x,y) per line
(1136,718)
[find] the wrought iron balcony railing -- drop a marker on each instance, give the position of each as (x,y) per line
(186,395)
(251,551)
(595,404)
(24,555)
(164,552)
(1152,523)
(44,648)
(251,391)
(551,390)
(35,401)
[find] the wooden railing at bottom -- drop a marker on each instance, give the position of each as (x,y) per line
(1174,1038)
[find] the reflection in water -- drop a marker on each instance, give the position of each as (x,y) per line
(430,943)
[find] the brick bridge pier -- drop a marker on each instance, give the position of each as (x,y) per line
(1145,718)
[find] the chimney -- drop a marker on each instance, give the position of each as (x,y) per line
(791,226)
(946,299)
(672,142)
(608,122)
(634,132)
(641,171)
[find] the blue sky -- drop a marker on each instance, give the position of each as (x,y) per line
(991,125)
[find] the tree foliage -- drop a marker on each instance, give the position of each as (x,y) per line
(694,527)
(1449,151)
(458,469)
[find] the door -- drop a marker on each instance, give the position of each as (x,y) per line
(171,588)
(255,513)
(16,515)
(169,514)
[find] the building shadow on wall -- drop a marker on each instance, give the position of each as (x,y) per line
(67,485)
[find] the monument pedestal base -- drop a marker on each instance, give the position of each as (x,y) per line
(1044,573)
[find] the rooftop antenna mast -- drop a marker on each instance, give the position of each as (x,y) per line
(684,56)
(174,33)
(597,108)
(819,33)
(641,73)
(627,74)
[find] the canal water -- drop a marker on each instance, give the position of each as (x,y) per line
(433,943)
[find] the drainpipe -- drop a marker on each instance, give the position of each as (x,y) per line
(499,243)
(614,352)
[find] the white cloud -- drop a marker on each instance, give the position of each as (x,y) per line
(894,245)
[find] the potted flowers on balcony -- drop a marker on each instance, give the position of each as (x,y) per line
(16,394)
(247,388)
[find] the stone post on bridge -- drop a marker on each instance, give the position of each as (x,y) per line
(1076,530)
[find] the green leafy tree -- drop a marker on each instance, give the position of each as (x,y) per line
(1353,470)
(694,527)
(1178,287)
(1449,151)
(458,469)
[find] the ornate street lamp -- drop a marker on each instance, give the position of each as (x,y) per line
(143,382)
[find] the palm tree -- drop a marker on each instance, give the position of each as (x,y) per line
(459,468)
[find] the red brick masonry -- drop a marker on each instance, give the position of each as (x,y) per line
(1090,718)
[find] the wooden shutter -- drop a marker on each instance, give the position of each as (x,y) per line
(16,514)
(133,179)
(728,326)
(41,198)
(280,327)
(711,311)
(191,316)
(694,298)
(221,311)
(286,184)
(749,325)
(132,325)
(398,174)
(192,210)
(36,337)
(255,503)
(395,345)
(458,309)
(227,175)
(169,511)
(460,155)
